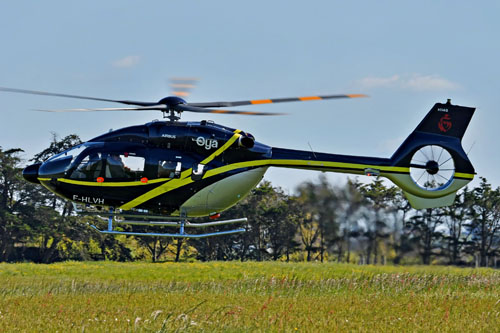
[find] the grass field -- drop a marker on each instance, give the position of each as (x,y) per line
(236,297)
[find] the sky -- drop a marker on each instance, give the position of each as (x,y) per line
(405,55)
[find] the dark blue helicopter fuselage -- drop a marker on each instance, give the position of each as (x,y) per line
(168,153)
(200,168)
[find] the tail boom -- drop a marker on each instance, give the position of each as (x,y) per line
(430,166)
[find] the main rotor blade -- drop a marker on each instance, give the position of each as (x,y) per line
(274,100)
(44,93)
(160,107)
(190,108)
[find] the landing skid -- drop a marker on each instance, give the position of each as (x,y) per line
(150,220)
(175,235)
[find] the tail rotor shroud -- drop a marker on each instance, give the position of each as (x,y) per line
(432,168)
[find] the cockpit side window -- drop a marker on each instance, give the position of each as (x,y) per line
(90,167)
(113,166)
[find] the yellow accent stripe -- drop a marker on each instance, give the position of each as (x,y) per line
(172,184)
(464,175)
(235,166)
(223,148)
(111,184)
(339,165)
(183,180)
(139,183)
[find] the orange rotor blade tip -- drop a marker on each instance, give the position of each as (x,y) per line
(309,98)
(180,93)
(261,101)
(357,95)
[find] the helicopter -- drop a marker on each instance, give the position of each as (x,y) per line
(181,170)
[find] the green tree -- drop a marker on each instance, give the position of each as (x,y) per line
(400,234)
(380,200)
(351,202)
(156,246)
(426,232)
(320,229)
(456,216)
(280,215)
(13,196)
(484,226)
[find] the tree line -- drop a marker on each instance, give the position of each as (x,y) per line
(365,223)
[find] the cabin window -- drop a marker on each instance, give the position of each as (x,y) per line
(124,166)
(169,169)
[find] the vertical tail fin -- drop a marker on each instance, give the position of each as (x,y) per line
(447,120)
(433,153)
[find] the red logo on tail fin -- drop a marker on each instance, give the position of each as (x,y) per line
(445,124)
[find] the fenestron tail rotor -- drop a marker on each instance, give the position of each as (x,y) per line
(173,106)
(432,168)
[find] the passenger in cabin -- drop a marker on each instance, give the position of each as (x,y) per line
(115,167)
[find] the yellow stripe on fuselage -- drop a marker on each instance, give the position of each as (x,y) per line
(338,165)
(223,148)
(112,184)
(185,177)
(464,175)
(183,180)
(305,163)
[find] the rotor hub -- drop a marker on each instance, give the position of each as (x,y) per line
(432,167)
(172,101)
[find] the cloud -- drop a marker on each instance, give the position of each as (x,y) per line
(126,62)
(430,82)
(376,82)
(415,82)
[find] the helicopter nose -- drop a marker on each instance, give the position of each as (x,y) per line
(30,173)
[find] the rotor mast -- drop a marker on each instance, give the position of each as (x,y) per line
(171,116)
(171,107)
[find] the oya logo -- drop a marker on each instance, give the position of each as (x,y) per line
(207,143)
(445,123)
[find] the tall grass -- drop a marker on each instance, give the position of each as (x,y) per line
(235,296)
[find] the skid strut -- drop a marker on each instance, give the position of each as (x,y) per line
(110,220)
(181,223)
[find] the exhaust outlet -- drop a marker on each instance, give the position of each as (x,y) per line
(246,142)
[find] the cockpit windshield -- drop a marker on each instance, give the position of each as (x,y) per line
(58,165)
(73,152)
